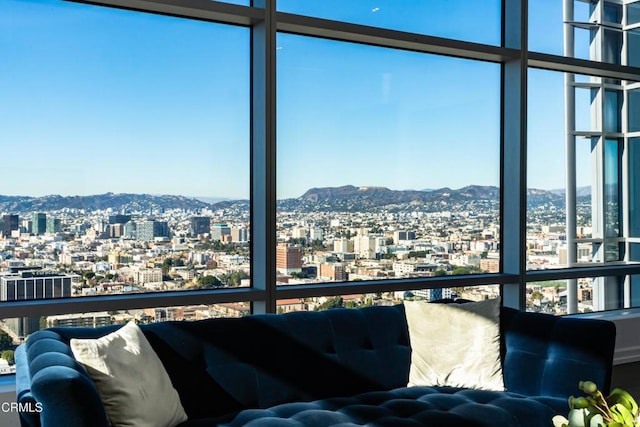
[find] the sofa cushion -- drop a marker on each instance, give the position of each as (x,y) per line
(455,345)
(406,406)
(130,378)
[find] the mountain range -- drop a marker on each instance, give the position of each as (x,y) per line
(347,198)
(117,202)
(351,198)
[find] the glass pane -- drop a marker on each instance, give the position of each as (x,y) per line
(612,46)
(586,108)
(633,110)
(612,13)
(593,294)
(633,13)
(634,187)
(547,297)
(635,288)
(457,19)
(364,163)
(583,11)
(586,252)
(546,171)
(613,181)
(593,35)
(633,49)
(612,111)
(134,129)
(607,293)
(584,46)
(586,182)
(545,26)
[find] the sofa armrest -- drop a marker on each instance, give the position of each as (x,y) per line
(548,355)
(29,412)
(69,398)
(55,390)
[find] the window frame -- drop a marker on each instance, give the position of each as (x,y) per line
(265,22)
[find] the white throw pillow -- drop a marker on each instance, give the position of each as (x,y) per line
(455,345)
(132,382)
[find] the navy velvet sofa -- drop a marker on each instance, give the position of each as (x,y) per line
(341,367)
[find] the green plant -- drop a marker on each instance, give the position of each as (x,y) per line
(618,409)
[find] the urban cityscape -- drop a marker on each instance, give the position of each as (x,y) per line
(167,119)
(327,234)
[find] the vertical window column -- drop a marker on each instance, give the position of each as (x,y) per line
(263,157)
(570,187)
(514,164)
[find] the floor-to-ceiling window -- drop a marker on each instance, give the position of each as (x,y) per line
(177,160)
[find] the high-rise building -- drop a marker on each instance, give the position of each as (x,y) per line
(148,230)
(54,225)
(343,245)
(200,225)
(9,223)
(365,246)
(239,234)
(116,230)
(130,230)
(35,284)
(32,285)
(38,223)
(401,235)
(119,219)
(220,230)
(603,123)
(288,258)
(315,233)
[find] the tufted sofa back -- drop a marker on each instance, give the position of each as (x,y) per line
(221,366)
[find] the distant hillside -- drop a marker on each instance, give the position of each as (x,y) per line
(117,202)
(384,196)
(584,191)
(351,198)
(347,198)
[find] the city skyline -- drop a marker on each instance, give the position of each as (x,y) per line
(87,111)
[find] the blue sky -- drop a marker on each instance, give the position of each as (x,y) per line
(96,100)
